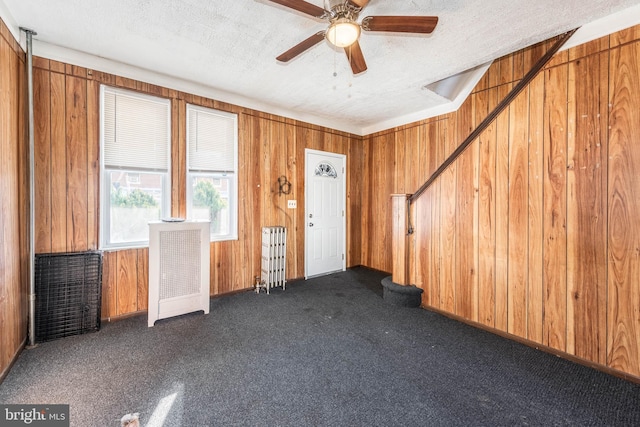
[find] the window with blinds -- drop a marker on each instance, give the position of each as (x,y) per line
(212,162)
(135,157)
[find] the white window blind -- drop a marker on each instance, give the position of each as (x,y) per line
(212,165)
(135,144)
(212,139)
(136,131)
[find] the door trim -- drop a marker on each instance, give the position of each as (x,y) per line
(343,159)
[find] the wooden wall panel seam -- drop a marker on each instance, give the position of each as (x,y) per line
(607,139)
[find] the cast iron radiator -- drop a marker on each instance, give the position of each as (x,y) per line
(68,294)
(274,258)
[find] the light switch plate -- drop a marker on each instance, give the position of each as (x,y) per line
(292,204)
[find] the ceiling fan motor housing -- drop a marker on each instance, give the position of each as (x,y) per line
(344,10)
(333,6)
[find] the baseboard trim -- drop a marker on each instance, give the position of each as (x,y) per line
(144,312)
(538,346)
(14,359)
(225,294)
(387,273)
(123,316)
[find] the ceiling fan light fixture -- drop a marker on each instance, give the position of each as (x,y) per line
(343,32)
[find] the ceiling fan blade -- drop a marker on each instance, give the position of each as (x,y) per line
(400,24)
(356,58)
(302,6)
(301,47)
(358,3)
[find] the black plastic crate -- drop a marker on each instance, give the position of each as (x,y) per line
(68,294)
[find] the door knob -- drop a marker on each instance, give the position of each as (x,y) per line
(310,224)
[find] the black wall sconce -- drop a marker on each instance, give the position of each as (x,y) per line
(285,186)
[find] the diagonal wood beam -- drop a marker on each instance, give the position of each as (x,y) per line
(492,116)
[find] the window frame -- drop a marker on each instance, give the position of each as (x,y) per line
(105,179)
(231,175)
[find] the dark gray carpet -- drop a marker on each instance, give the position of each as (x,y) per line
(327,351)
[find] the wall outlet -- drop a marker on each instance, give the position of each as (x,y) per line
(292,204)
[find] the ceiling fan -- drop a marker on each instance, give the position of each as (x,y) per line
(344,30)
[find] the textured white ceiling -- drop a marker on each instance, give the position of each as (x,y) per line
(231,45)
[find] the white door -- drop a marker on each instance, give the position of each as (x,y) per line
(325,226)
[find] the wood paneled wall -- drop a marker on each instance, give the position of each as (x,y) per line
(68,168)
(14,258)
(535,230)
